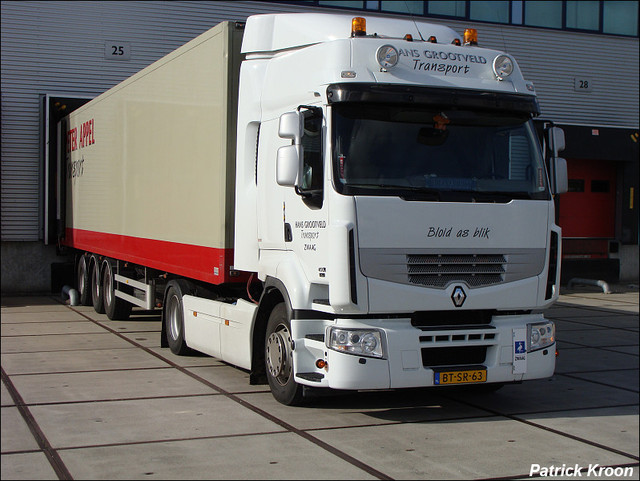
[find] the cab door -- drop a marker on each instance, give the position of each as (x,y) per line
(270,194)
(305,210)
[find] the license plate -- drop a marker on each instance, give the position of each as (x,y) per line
(460,377)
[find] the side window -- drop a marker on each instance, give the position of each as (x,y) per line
(312,171)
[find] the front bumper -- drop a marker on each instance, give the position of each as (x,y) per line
(412,353)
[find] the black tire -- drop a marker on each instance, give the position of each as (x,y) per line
(172,317)
(117,309)
(84,281)
(97,297)
(278,355)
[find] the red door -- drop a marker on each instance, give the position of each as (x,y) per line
(587,211)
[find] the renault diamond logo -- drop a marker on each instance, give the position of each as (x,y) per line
(458,297)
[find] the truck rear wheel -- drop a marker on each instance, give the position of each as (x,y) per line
(84,282)
(115,307)
(97,297)
(173,318)
(279,358)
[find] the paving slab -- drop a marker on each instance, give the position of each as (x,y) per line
(31,303)
(106,385)
(22,317)
(148,339)
(470,448)
(67,342)
(631,350)
(7,400)
(228,378)
(625,379)
(16,435)
(50,328)
(603,302)
(190,360)
(587,358)
(26,466)
(563,310)
(135,421)
(266,456)
(614,322)
(133,326)
(78,361)
(558,393)
(364,409)
(598,338)
(617,427)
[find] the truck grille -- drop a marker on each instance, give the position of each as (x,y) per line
(438,270)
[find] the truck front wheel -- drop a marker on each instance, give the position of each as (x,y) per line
(279,358)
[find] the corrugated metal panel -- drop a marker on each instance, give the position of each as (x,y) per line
(57,48)
(553,59)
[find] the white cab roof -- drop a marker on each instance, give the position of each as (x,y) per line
(273,32)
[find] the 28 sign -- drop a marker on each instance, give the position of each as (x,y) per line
(582,84)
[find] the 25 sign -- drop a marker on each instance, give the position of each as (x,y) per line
(117,50)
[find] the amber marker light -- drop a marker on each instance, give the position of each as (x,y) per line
(321,363)
(470,36)
(358,27)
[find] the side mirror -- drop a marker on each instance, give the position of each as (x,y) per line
(290,126)
(556,135)
(287,165)
(561,177)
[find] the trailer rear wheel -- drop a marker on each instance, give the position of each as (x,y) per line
(84,282)
(97,296)
(279,358)
(115,307)
(173,318)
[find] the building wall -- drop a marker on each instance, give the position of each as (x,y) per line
(64,49)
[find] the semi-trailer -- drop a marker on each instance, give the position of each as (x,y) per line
(325,201)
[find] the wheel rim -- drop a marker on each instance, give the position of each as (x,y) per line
(278,356)
(174,320)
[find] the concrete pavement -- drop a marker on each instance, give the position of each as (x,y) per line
(84,397)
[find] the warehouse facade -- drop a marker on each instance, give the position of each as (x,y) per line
(581,56)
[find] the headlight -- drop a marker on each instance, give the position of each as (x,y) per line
(502,66)
(361,342)
(541,335)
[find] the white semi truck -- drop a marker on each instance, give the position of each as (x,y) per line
(324,201)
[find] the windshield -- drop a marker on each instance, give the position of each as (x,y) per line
(428,153)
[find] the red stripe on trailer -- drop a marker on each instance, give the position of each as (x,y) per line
(187,260)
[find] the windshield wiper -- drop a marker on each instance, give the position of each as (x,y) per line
(411,193)
(405,192)
(500,196)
